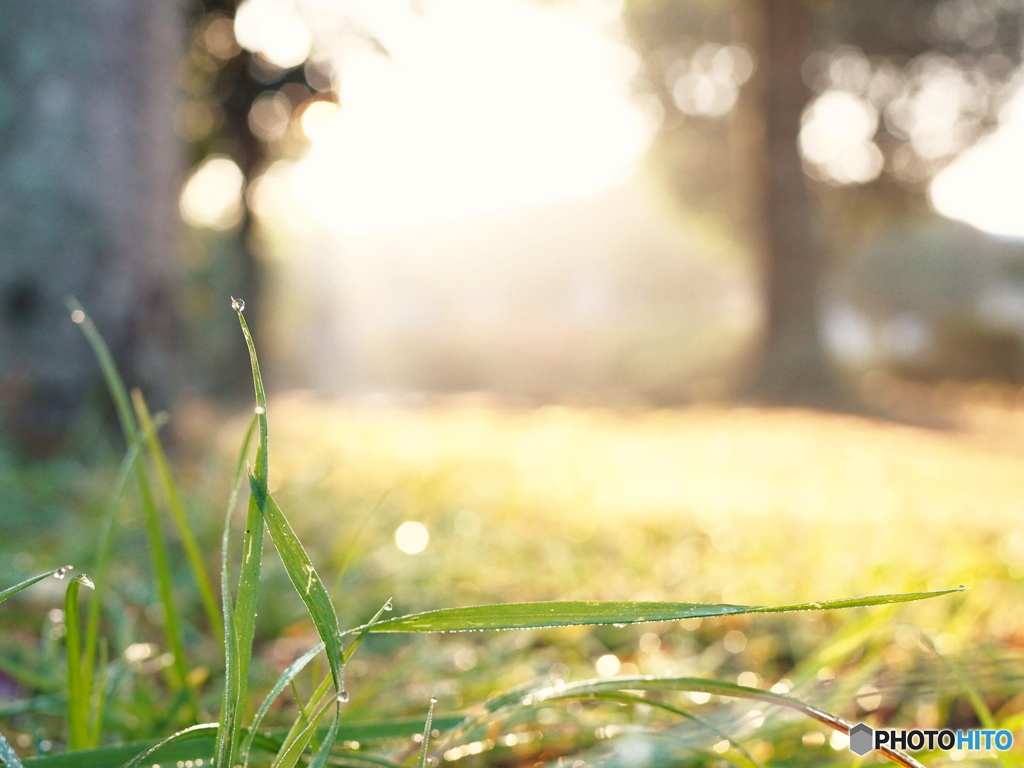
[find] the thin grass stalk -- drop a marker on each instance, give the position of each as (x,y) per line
(158,550)
(228,716)
(177,510)
(79,695)
(252,550)
(92,622)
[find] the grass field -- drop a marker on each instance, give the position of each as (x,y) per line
(734,505)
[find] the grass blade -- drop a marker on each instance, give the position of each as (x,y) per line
(158,550)
(7,754)
(304,578)
(79,688)
(252,553)
(228,715)
(11,591)
(733,690)
(576,613)
(428,728)
(282,682)
(177,510)
(203,730)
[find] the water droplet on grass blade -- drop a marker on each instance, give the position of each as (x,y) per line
(260,410)
(343,697)
(237,304)
(86,581)
(388,606)
(60,573)
(620,626)
(433,699)
(78,316)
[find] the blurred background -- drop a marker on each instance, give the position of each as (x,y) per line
(529,281)
(648,202)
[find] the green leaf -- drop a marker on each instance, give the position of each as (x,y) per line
(304,578)
(576,613)
(11,591)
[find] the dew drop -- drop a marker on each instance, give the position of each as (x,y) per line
(388,605)
(343,697)
(60,573)
(433,699)
(237,304)
(78,317)
(260,410)
(620,626)
(86,581)
(962,587)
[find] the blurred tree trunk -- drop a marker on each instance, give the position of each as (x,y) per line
(89,170)
(791,366)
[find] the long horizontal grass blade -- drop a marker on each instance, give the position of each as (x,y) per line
(11,591)
(576,613)
(586,688)
(628,698)
(304,578)
(203,730)
(8,755)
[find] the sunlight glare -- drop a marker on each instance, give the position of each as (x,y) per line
(212,196)
(484,105)
(985,186)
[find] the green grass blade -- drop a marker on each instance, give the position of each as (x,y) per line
(304,578)
(108,367)
(365,629)
(158,550)
(252,550)
(92,622)
(322,754)
(619,696)
(586,688)
(203,730)
(282,682)
(7,754)
(228,715)
(428,728)
(11,591)
(303,731)
(79,688)
(576,613)
(177,510)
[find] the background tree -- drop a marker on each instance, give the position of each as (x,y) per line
(89,168)
(921,80)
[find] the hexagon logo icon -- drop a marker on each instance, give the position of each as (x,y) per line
(862,739)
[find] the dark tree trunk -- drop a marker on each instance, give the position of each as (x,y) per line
(791,366)
(89,171)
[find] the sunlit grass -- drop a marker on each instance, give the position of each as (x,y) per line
(738,505)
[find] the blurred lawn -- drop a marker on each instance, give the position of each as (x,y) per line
(709,504)
(740,505)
